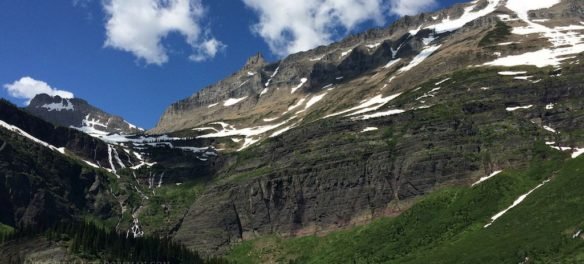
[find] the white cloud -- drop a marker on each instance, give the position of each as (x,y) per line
(207,50)
(411,7)
(139,26)
(292,26)
(27,88)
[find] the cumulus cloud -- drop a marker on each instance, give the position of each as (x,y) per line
(27,88)
(139,26)
(411,7)
(299,25)
(207,49)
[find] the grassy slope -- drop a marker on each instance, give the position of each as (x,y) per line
(447,226)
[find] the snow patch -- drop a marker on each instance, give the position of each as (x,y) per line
(515,203)
(373,46)
(415,31)
(441,82)
(296,105)
(271,77)
(281,131)
(391,63)
(524,78)
(550,129)
(91,164)
(563,43)
(367,105)
(469,15)
(482,179)
(302,82)
(264,91)
(425,53)
(511,109)
(577,152)
(381,114)
(431,93)
(64,105)
(512,73)
(368,129)
(345,53)
(314,100)
(251,134)
(271,119)
(233,101)
(549,106)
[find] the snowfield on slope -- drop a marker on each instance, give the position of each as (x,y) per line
(564,40)
(448,25)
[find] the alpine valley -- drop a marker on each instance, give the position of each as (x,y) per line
(447,137)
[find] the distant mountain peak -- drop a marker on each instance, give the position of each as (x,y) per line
(78,113)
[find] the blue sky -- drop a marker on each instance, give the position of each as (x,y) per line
(68,45)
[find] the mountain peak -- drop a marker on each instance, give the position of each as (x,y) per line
(255,61)
(78,113)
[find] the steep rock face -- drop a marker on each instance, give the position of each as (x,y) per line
(78,113)
(329,174)
(262,86)
(316,81)
(40,187)
(384,117)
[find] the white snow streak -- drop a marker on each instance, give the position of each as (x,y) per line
(482,179)
(511,109)
(314,100)
(32,138)
(368,129)
(515,203)
(425,53)
(380,114)
(391,63)
(233,101)
(512,73)
(367,105)
(302,82)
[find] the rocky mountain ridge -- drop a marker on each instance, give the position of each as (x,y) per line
(263,100)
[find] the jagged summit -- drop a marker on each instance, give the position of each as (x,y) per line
(79,114)
(255,61)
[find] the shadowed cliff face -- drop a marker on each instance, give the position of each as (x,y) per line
(330,174)
(40,187)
